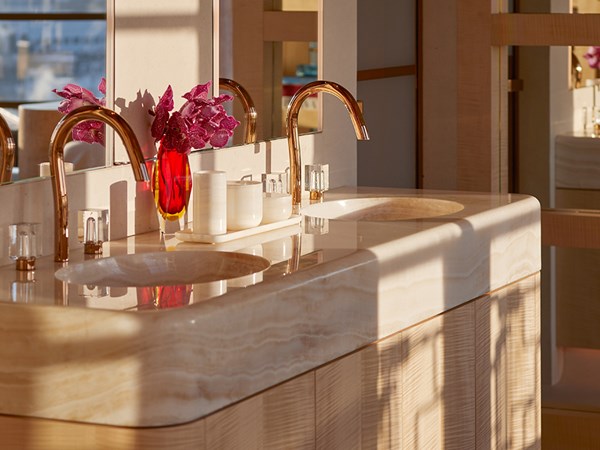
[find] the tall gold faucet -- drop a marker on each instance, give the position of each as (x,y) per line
(292,128)
(7,143)
(250,113)
(57,165)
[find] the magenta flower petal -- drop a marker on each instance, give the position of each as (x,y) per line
(166,100)
(189,110)
(161,114)
(209,111)
(593,57)
(90,131)
(229,123)
(176,135)
(220,138)
(74,97)
(102,86)
(198,136)
(222,99)
(199,121)
(198,92)
(68,105)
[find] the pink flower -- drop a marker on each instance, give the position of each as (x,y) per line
(89,131)
(199,121)
(75,97)
(593,57)
(102,87)
(161,113)
(177,133)
(199,92)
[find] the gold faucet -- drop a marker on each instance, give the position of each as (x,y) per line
(292,128)
(7,143)
(57,165)
(248,105)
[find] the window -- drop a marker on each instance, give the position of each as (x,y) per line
(45,44)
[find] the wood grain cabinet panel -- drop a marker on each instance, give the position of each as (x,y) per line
(381,396)
(412,390)
(338,389)
(523,370)
(281,417)
(438,407)
(508,368)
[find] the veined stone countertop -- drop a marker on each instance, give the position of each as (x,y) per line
(137,364)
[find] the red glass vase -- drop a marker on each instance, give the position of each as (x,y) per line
(171,182)
(162,297)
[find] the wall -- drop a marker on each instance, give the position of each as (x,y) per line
(387,38)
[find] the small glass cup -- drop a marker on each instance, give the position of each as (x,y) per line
(92,229)
(316,180)
(25,244)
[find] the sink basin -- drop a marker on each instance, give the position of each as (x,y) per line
(163,269)
(382,209)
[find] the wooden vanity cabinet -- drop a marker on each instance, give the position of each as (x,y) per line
(467,378)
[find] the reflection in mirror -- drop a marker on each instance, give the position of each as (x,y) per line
(225,84)
(270,49)
(559,163)
(584,61)
(44,45)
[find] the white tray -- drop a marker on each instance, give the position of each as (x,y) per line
(189,236)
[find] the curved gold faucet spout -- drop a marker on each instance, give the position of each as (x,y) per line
(250,113)
(7,144)
(303,93)
(57,165)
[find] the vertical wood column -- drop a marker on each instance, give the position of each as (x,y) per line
(464,112)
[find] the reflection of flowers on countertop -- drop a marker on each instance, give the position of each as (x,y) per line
(593,57)
(74,97)
(200,121)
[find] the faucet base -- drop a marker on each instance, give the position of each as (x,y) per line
(316,196)
(92,248)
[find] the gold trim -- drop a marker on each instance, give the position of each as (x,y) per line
(247,103)
(25,264)
(59,137)
(92,248)
(316,196)
(342,94)
(7,150)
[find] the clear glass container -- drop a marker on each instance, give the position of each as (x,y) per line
(25,244)
(92,229)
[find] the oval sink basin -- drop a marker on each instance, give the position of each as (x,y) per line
(382,209)
(163,269)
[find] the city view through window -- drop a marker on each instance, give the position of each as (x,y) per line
(45,44)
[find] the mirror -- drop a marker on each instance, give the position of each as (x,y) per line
(582,74)
(45,45)
(67,44)
(271,49)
